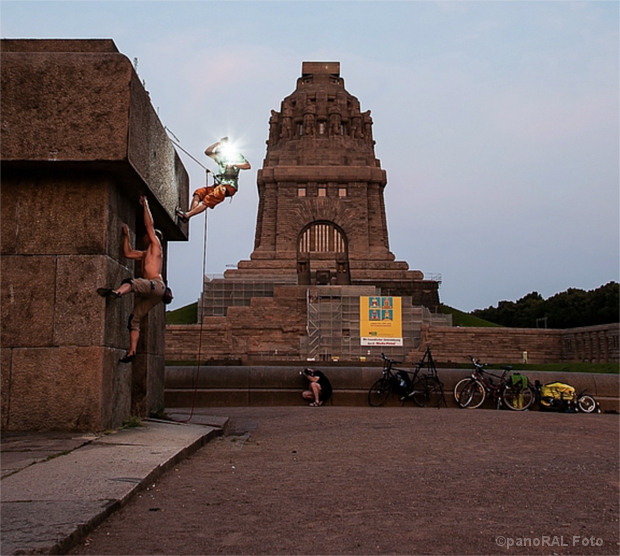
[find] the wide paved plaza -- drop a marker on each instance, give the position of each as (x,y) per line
(351,480)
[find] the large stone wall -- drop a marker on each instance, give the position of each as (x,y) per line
(80,143)
(591,344)
(449,344)
(269,325)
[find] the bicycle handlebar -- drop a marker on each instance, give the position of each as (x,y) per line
(387,359)
(480,367)
(477,363)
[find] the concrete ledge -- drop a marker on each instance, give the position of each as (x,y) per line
(223,386)
(48,507)
(322,174)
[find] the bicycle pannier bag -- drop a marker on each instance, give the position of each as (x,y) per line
(518,380)
(404,382)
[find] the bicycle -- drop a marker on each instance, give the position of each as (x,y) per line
(471,392)
(425,390)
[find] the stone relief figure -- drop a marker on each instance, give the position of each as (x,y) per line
(274,122)
(287,124)
(335,121)
(356,127)
(354,106)
(367,123)
(309,113)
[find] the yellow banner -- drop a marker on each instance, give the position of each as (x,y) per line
(381,321)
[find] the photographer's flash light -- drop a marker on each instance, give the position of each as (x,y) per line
(229,152)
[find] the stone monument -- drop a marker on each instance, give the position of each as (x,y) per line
(321,214)
(321,239)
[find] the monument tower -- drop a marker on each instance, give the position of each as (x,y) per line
(321,236)
(321,215)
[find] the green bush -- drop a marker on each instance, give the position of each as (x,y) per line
(569,309)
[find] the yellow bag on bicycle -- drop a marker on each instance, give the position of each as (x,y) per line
(556,395)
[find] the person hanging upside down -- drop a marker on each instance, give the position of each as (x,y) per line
(230,162)
(149,290)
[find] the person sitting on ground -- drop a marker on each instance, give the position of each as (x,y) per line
(230,162)
(149,290)
(320,389)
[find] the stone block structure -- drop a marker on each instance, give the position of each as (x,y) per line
(81,143)
(588,344)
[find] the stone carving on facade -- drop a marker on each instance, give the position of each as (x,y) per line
(287,121)
(367,123)
(309,117)
(335,121)
(274,125)
(321,109)
(356,127)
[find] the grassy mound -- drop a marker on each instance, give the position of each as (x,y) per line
(463,319)
(183,315)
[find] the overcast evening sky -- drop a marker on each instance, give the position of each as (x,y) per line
(497,122)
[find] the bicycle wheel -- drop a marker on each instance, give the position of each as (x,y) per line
(518,398)
(587,404)
(379,392)
(459,386)
(472,395)
(427,392)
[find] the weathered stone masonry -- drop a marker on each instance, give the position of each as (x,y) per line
(80,143)
(590,344)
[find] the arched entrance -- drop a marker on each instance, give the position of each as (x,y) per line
(322,245)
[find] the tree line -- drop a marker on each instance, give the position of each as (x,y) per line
(568,309)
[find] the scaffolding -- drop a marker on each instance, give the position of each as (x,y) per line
(325,326)
(332,317)
(219,293)
(333,328)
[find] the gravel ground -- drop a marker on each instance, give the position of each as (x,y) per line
(351,480)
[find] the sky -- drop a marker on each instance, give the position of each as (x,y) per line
(497,123)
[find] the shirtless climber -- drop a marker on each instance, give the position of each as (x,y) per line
(230,163)
(149,289)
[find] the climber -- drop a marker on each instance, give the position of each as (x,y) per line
(230,162)
(148,290)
